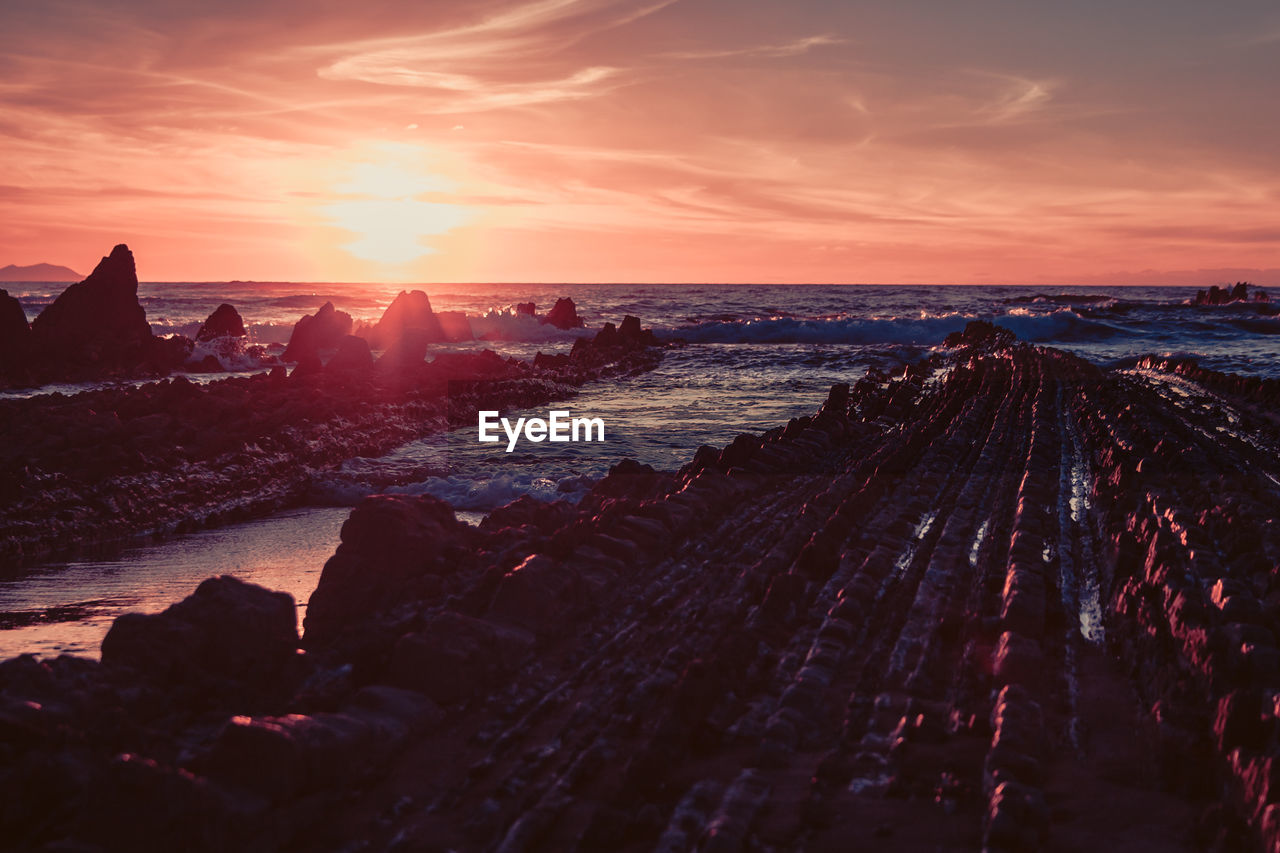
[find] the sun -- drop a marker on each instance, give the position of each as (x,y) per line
(391,202)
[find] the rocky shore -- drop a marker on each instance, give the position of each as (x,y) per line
(999,599)
(103,467)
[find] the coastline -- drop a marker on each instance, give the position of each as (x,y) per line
(1000,597)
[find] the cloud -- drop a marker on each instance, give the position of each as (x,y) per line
(462,93)
(795,47)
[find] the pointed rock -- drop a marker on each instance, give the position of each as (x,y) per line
(98,321)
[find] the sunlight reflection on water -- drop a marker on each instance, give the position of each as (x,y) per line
(285,551)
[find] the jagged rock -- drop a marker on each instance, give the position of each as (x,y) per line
(224,322)
(527,308)
(227,631)
(564,315)
(314,332)
(1223,296)
(410,310)
(97,322)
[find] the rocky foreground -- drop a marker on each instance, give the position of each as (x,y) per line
(1001,599)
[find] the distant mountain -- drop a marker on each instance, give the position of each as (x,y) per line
(38,272)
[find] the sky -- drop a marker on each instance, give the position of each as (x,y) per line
(645,140)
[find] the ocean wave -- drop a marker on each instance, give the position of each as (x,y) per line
(1095,299)
(840,330)
(487,493)
(1063,324)
(509,326)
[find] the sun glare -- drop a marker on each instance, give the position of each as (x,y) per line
(393,205)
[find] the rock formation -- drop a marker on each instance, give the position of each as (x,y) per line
(97,322)
(15,334)
(564,315)
(353,356)
(1223,296)
(222,323)
(323,330)
(454,326)
(1001,599)
(410,310)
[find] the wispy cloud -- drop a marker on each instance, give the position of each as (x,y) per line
(795,47)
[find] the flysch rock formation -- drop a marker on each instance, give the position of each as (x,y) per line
(999,600)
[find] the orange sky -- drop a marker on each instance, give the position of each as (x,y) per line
(660,140)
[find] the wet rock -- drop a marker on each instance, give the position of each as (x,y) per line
(222,323)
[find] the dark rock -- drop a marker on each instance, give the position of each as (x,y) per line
(97,322)
(456,657)
(980,333)
(1017,818)
(1018,660)
(408,351)
(454,326)
(564,315)
(528,308)
(539,595)
(227,630)
(224,322)
(395,549)
(1223,296)
(314,332)
(528,511)
(15,332)
(353,356)
(409,310)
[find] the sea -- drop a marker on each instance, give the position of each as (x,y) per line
(744,358)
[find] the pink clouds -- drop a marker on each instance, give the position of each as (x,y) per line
(611,140)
